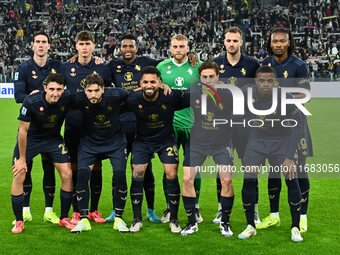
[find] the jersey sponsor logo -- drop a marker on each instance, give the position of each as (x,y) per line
(73,72)
(137,67)
(41,109)
(285,74)
(232,80)
(243,71)
(23,111)
(128,76)
(34,74)
(179,81)
(16,76)
(190,71)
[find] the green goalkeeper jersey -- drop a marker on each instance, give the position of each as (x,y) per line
(180,76)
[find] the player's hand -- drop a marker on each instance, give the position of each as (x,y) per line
(167,90)
(98,60)
(289,168)
(34,91)
(20,165)
(73,59)
(193,59)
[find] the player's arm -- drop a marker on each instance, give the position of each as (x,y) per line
(20,164)
(20,85)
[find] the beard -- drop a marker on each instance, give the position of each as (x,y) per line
(148,95)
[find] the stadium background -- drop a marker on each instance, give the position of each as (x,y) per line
(315,25)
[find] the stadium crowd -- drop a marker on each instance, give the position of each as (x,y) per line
(315,25)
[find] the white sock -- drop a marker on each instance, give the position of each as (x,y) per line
(303,216)
(48,209)
(275,214)
(167,206)
(26,209)
(219,206)
(197,206)
(257,209)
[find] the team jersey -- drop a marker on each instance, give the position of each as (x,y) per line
(273,130)
(179,77)
(241,73)
(203,132)
(128,76)
(75,74)
(155,119)
(102,126)
(45,119)
(292,72)
(30,76)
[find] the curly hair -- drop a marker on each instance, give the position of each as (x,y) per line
(291,48)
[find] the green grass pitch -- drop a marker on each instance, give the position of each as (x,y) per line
(40,237)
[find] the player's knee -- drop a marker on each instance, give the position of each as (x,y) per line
(19,178)
(226,182)
(66,175)
(188,181)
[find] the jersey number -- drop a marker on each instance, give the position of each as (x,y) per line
(172,151)
(63,148)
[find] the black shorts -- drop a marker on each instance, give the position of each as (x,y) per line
(305,147)
(129,130)
(240,136)
(117,158)
(195,155)
(143,152)
(54,148)
(258,150)
(72,140)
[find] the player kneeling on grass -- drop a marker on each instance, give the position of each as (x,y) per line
(275,142)
(41,117)
(154,112)
(206,140)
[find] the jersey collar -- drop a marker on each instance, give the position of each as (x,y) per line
(239,63)
(284,63)
(89,65)
(179,65)
(40,67)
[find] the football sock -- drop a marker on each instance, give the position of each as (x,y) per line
(294,200)
(96,183)
(249,196)
(28,185)
(227,206)
(189,206)
(174,193)
(17,205)
(48,209)
(65,203)
(219,188)
(121,192)
(274,189)
(257,192)
(48,182)
(83,193)
(74,192)
(136,193)
(197,186)
(304,187)
(113,191)
(149,186)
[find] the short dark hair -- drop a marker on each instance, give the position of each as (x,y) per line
(93,79)
(209,65)
(234,30)
(151,70)
(55,77)
(291,48)
(41,32)
(128,37)
(265,69)
(84,36)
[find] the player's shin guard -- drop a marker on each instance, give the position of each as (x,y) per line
(48,182)
(304,187)
(294,200)
(96,183)
(227,206)
(74,192)
(17,205)
(249,197)
(189,206)
(149,186)
(28,185)
(136,193)
(65,203)
(197,186)
(219,188)
(113,192)
(274,190)
(165,189)
(84,175)
(121,192)
(174,193)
